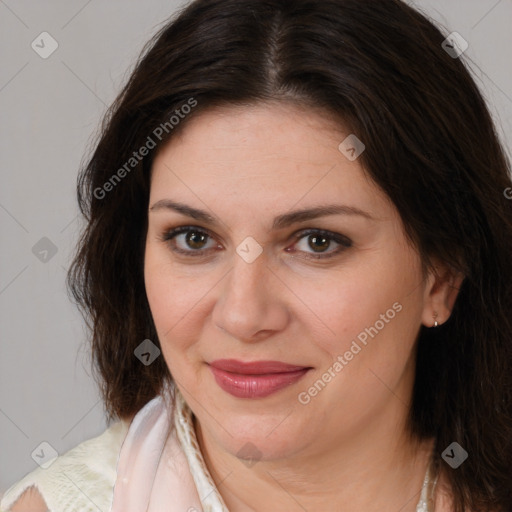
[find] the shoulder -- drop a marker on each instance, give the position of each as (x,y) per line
(80,479)
(30,500)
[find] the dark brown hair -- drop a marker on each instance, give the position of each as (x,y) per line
(430,145)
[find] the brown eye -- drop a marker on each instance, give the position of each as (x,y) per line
(319,242)
(188,240)
(195,239)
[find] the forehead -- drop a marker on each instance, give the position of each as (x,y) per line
(262,128)
(275,155)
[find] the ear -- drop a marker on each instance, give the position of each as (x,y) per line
(441,291)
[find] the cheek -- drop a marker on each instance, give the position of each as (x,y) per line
(370,354)
(380,299)
(171,310)
(171,295)
(376,314)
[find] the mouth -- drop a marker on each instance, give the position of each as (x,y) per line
(256,379)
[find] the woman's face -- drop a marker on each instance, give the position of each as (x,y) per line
(243,284)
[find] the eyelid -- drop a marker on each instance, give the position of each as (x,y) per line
(343,242)
(337,237)
(170,234)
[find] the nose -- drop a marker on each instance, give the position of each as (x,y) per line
(252,301)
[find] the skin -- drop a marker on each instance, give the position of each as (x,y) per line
(245,166)
(348,446)
(30,501)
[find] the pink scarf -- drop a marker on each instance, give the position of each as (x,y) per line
(159,469)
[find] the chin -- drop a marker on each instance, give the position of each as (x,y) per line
(258,438)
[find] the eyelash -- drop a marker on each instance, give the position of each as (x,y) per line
(343,241)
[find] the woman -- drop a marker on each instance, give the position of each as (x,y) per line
(297,272)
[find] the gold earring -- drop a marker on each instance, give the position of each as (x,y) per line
(435,319)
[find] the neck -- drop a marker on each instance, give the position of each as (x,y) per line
(376,469)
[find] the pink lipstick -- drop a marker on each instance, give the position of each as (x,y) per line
(256,379)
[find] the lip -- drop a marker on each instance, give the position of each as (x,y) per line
(256,379)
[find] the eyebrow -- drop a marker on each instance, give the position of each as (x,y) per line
(280,221)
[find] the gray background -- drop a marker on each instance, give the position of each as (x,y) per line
(50,110)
